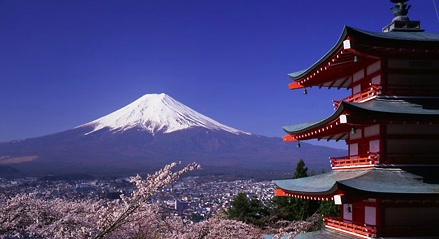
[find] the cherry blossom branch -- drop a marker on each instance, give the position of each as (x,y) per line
(144,190)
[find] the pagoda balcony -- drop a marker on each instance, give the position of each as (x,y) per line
(349,227)
(362,96)
(362,160)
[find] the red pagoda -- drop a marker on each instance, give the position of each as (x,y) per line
(388,185)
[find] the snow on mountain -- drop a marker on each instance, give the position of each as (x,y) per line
(157,112)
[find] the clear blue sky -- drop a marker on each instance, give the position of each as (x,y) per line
(65,63)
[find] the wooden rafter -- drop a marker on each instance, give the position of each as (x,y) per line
(342,135)
(344,81)
(329,87)
(330,137)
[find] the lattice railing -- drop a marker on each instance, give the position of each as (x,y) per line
(355,160)
(349,226)
(360,96)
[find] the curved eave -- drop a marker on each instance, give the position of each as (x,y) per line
(368,182)
(397,40)
(395,181)
(300,74)
(389,194)
(322,184)
(300,128)
(306,190)
(409,108)
(398,109)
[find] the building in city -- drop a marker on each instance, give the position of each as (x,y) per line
(388,185)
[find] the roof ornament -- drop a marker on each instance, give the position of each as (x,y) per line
(401,10)
(400,22)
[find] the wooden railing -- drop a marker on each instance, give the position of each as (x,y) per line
(355,160)
(349,226)
(363,95)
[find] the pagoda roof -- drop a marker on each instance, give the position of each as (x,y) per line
(399,39)
(391,108)
(356,49)
(407,106)
(378,180)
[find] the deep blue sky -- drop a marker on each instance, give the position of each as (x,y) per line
(65,63)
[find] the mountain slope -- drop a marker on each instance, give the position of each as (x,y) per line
(150,132)
(157,113)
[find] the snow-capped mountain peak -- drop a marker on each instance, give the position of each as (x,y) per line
(155,113)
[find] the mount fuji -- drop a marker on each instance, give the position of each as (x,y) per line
(156,113)
(152,131)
